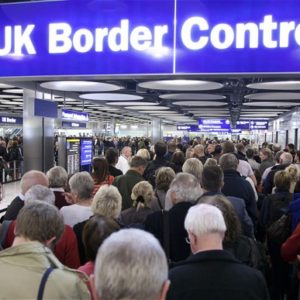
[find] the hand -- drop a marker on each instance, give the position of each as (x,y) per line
(69,198)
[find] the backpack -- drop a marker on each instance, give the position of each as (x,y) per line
(280,230)
(3,233)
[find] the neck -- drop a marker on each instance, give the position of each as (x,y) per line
(84,202)
(207,242)
(19,240)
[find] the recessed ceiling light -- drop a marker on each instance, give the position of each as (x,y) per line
(80,86)
(156,112)
(192,96)
(273,96)
(13,91)
(276,85)
(271,104)
(199,103)
(4,96)
(180,85)
(147,107)
(6,86)
(131,103)
(111,97)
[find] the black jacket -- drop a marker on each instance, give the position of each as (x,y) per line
(215,275)
(235,185)
(13,209)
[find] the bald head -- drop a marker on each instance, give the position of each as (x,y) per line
(32,178)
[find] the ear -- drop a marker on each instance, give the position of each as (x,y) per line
(173,197)
(49,242)
(93,287)
(164,290)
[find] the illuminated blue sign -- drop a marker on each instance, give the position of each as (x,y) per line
(86,151)
(214,125)
(44,108)
(259,125)
(73,125)
(85,37)
(11,120)
(74,115)
(192,128)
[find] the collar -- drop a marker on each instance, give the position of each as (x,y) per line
(22,197)
(57,189)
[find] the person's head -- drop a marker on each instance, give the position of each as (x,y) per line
(193,166)
(265,154)
(178,158)
(163,178)
(81,185)
(32,178)
(107,202)
(160,149)
(210,162)
(286,158)
(95,231)
(142,194)
(297,157)
(205,226)
(144,153)
(240,147)
(290,147)
(210,148)
(250,153)
(198,150)
(282,181)
(184,188)
(171,147)
(112,156)
(277,156)
(231,219)
(100,169)
(131,264)
(40,193)
(138,164)
(58,177)
(39,221)
(212,179)
(218,150)
(127,152)
(228,161)
(227,147)
(276,148)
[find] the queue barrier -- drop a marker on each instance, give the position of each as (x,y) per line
(11,171)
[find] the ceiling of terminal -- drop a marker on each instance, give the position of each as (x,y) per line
(175,100)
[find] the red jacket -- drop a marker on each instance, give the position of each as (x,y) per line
(66,250)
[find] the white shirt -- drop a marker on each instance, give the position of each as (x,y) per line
(122,164)
(244,168)
(75,213)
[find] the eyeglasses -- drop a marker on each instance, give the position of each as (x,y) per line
(187,240)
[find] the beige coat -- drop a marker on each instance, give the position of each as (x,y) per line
(21,270)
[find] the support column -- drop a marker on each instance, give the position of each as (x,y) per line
(38,136)
(156,130)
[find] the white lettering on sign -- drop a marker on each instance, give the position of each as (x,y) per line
(62,38)
(20,38)
(196,33)
(69,115)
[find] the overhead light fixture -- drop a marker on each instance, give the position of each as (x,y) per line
(180,85)
(131,103)
(111,97)
(147,107)
(276,85)
(192,96)
(273,96)
(13,91)
(80,86)
(6,86)
(199,103)
(271,104)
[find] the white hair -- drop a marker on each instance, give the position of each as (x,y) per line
(130,264)
(107,202)
(186,187)
(57,176)
(82,184)
(203,219)
(40,193)
(193,166)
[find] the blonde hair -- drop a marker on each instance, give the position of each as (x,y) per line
(293,172)
(142,189)
(144,153)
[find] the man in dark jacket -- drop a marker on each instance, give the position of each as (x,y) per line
(160,149)
(126,182)
(235,185)
(212,273)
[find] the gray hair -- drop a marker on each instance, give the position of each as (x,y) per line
(204,219)
(186,187)
(193,166)
(144,189)
(82,184)
(210,162)
(40,193)
(286,158)
(107,202)
(58,177)
(228,161)
(130,264)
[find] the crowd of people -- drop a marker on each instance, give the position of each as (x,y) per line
(205,220)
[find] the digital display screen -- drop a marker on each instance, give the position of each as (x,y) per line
(73,155)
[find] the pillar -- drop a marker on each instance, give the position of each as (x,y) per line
(38,133)
(156,130)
